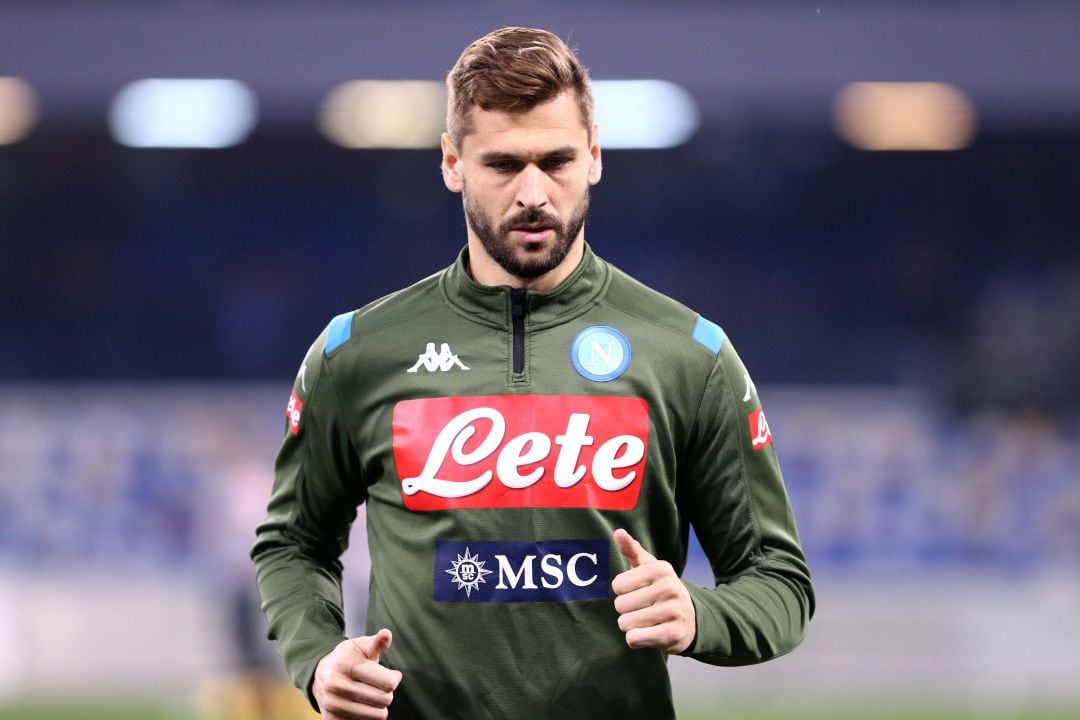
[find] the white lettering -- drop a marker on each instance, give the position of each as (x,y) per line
(530,448)
(506,571)
(515,454)
(762,431)
(549,565)
(452,439)
(571,569)
(607,459)
(604,353)
(567,471)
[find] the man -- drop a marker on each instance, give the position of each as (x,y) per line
(531,486)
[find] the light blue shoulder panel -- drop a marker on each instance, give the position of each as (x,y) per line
(709,334)
(339,331)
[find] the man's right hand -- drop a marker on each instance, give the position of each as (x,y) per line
(349,682)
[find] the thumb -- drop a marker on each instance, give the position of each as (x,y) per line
(631,549)
(372,646)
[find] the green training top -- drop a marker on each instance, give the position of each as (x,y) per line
(499,437)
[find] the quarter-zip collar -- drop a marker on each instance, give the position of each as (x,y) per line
(490,304)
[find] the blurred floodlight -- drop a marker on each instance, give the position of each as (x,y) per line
(644,113)
(18,110)
(182,113)
(385,114)
(904,116)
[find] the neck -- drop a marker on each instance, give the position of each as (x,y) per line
(484,270)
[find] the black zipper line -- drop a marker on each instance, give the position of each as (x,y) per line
(517,314)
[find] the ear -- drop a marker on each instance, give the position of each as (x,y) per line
(451,165)
(596,166)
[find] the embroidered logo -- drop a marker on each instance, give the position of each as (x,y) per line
(467,572)
(751,388)
(302,375)
(501,451)
(293,411)
(600,353)
(760,434)
(441,361)
(543,571)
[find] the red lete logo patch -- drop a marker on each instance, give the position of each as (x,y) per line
(500,451)
(293,411)
(760,434)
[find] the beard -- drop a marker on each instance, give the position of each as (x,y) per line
(531,260)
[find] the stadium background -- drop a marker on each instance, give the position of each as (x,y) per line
(912,320)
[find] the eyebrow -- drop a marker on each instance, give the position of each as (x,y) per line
(497,156)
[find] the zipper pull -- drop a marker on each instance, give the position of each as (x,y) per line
(517,316)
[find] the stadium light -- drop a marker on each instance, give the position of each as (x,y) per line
(644,113)
(411,114)
(18,110)
(384,114)
(183,113)
(904,116)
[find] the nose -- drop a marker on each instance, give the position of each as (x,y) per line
(531,192)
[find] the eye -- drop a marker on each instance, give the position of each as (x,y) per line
(503,167)
(554,163)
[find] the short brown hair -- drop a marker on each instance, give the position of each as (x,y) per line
(513,70)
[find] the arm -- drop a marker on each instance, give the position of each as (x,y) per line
(734,495)
(317,488)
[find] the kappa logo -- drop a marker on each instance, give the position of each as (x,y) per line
(760,435)
(441,361)
(751,388)
(600,353)
(543,571)
(500,451)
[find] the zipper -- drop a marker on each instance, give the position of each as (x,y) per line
(517,316)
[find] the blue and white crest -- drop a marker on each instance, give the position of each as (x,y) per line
(600,353)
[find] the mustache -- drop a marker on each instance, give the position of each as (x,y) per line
(532,216)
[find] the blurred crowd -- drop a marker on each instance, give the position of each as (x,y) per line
(174,479)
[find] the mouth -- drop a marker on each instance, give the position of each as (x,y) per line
(533,233)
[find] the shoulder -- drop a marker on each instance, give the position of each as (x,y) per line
(389,311)
(684,326)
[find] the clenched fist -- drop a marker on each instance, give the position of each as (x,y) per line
(349,682)
(655,609)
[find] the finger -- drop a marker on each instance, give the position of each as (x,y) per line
(663,636)
(631,549)
(645,618)
(339,708)
(637,599)
(641,576)
(366,694)
(371,646)
(375,675)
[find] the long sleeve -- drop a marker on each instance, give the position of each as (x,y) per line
(317,488)
(737,504)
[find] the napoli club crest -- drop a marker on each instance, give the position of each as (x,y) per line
(600,353)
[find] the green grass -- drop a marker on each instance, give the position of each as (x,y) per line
(39,711)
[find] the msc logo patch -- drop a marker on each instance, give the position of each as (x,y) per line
(600,353)
(513,571)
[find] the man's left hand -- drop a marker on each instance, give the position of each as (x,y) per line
(655,609)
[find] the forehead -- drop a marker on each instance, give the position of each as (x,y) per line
(556,123)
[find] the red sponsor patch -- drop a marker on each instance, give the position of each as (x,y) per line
(502,451)
(760,435)
(292,412)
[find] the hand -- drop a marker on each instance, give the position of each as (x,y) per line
(655,609)
(349,682)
